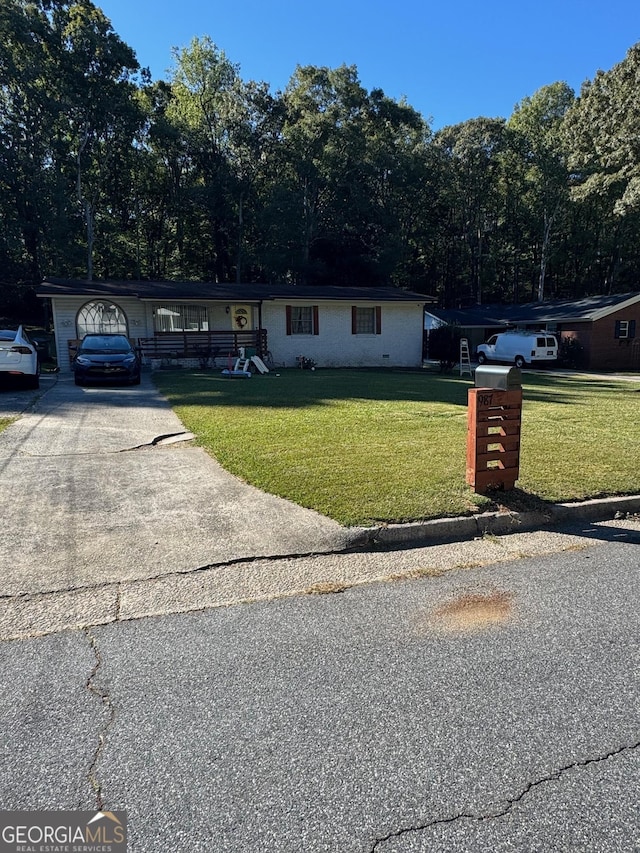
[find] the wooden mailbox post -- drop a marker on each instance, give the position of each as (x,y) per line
(493,429)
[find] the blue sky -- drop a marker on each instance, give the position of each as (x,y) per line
(451,60)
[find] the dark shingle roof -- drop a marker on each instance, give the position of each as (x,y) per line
(179,290)
(554,311)
(478,315)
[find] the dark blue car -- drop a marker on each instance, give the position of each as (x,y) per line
(106,357)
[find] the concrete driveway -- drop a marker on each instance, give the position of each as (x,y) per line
(91,496)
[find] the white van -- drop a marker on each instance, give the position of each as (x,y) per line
(519,348)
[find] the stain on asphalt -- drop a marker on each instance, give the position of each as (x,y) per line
(469,612)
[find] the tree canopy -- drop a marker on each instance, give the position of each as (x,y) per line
(204,175)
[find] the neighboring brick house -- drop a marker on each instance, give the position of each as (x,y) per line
(181,322)
(606,327)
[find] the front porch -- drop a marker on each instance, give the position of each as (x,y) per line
(177,346)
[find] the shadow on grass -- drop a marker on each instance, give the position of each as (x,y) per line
(516,500)
(302,388)
(291,388)
(574,391)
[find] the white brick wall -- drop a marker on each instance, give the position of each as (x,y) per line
(399,345)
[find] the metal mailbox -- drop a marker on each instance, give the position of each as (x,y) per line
(499,377)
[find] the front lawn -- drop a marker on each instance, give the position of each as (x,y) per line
(367,446)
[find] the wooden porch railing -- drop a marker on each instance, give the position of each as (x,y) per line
(202,344)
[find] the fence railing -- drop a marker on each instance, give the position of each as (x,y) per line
(202,344)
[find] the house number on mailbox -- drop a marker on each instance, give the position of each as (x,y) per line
(485,399)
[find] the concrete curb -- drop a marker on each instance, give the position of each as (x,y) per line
(265,578)
(490,523)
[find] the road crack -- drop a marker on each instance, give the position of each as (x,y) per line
(175,573)
(107,703)
(509,803)
(166,438)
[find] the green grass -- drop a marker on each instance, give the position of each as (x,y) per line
(4,423)
(367,446)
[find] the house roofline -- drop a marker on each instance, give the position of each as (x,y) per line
(604,312)
(52,287)
(539,313)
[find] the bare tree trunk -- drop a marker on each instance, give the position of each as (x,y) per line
(546,241)
(85,205)
(240,241)
(479,269)
(89,216)
(310,207)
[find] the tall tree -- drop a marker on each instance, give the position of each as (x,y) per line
(602,131)
(322,146)
(398,190)
(351,180)
(27,121)
(97,95)
(471,153)
(67,114)
(537,122)
(204,85)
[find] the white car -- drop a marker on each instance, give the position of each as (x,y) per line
(19,357)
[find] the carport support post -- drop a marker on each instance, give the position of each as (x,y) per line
(493,438)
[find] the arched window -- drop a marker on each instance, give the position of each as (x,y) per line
(101,317)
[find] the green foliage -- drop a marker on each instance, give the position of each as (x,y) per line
(472,163)
(571,353)
(68,118)
(444,345)
(208,176)
(603,129)
(537,123)
(18,302)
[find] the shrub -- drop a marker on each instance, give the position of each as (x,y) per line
(571,353)
(444,345)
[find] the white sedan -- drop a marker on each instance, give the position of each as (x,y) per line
(19,357)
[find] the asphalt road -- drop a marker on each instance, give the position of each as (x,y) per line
(486,709)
